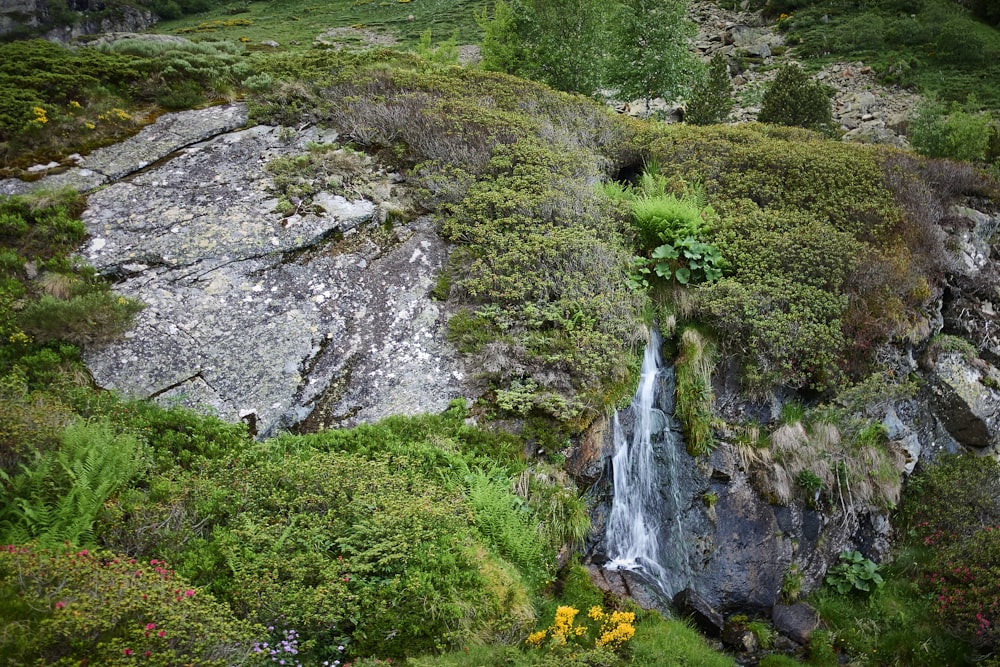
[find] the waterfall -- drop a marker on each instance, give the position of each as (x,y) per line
(645,533)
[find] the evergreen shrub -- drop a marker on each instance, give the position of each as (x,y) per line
(712,99)
(82,606)
(794,99)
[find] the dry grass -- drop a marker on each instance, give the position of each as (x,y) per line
(855,474)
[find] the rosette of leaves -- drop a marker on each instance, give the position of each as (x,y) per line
(688,260)
(855,573)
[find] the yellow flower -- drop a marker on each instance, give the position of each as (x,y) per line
(89,125)
(535,638)
(73,104)
(19,337)
(41,116)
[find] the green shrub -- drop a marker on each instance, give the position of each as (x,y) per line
(370,537)
(71,607)
(84,319)
(794,99)
(712,99)
(955,132)
(33,422)
(43,225)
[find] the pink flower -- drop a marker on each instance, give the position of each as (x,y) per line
(151,626)
(161,633)
(60,604)
(188,593)
(127,651)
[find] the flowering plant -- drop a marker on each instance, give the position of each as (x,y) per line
(609,631)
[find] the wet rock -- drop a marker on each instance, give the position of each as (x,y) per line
(692,605)
(748,558)
(585,461)
(797,621)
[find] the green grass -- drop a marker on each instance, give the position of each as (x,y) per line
(660,641)
(302,21)
(933,46)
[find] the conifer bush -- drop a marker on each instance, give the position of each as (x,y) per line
(795,99)
(712,98)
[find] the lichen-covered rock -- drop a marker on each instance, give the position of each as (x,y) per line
(966,400)
(170,133)
(317,316)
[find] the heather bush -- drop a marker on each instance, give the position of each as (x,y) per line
(78,606)
(954,516)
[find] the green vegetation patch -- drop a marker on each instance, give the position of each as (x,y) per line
(827,254)
(295,24)
(937,46)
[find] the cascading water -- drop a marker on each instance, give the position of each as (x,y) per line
(645,533)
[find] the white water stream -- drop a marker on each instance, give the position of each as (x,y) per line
(645,533)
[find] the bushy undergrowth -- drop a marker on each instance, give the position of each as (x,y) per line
(940,603)
(56,99)
(830,252)
(71,606)
(393,539)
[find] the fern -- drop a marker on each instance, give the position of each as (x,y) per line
(57,499)
(505,523)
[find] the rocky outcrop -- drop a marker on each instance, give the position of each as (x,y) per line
(965,396)
(35,18)
(170,133)
(20,15)
(865,110)
(322,316)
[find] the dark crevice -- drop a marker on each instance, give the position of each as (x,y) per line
(179,384)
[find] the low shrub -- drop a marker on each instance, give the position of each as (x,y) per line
(957,132)
(73,606)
